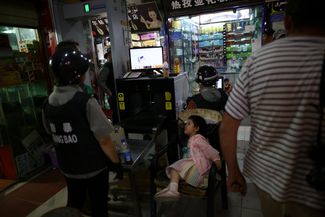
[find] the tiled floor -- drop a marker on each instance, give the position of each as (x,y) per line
(248,206)
(23,198)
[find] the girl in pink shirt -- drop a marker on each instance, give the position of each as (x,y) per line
(195,165)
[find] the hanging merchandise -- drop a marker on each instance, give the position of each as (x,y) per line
(99,27)
(102,43)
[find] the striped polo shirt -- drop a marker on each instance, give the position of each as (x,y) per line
(279,88)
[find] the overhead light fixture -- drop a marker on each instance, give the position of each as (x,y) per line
(8,30)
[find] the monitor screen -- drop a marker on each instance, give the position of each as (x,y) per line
(146,58)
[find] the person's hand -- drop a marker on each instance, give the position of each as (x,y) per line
(191,105)
(118,169)
(218,164)
(237,183)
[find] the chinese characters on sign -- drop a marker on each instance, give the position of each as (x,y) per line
(177,8)
(183,4)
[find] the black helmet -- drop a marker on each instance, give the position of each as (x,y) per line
(68,66)
(207,75)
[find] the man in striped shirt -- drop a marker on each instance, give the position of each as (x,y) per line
(279,88)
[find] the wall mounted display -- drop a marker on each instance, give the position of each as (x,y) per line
(99,27)
(144,17)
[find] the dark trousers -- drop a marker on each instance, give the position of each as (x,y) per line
(97,190)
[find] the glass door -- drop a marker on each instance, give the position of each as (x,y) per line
(23,88)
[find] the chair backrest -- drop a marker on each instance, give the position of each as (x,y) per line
(211,116)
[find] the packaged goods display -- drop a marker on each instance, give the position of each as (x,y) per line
(223,40)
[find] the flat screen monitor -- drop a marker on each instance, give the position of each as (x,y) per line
(146,58)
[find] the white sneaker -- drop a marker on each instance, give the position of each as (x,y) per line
(167,195)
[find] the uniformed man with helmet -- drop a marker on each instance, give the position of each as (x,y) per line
(81,133)
(209,96)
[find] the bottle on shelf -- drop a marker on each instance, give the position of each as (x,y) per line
(125,152)
(177,65)
(165,70)
(106,103)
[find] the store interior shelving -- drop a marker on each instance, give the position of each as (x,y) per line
(223,40)
(211,50)
(102,44)
(101,37)
(237,44)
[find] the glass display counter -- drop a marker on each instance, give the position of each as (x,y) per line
(20,116)
(183,41)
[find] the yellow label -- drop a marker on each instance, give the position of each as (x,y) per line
(120,96)
(168,96)
(168,106)
(122,105)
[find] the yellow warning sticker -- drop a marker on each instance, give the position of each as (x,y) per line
(168,106)
(120,96)
(168,96)
(122,105)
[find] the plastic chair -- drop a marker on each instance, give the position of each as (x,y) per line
(216,179)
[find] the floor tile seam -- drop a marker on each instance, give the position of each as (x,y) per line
(31,201)
(11,189)
(256,209)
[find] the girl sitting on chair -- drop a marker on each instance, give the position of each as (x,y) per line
(194,165)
